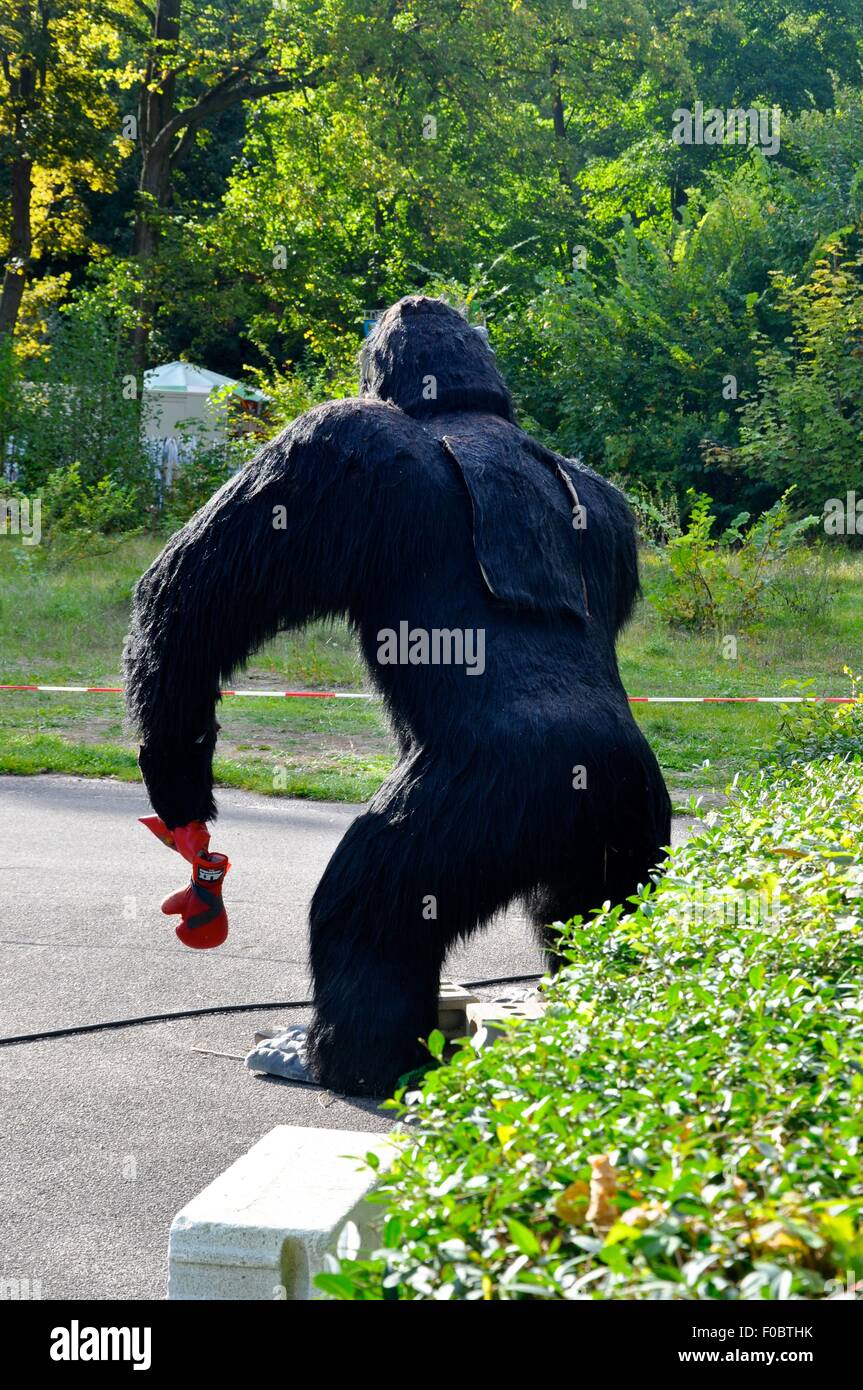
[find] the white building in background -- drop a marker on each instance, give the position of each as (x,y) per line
(185,408)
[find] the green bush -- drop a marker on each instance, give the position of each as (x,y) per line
(814,730)
(656,511)
(722,583)
(81,406)
(72,507)
(707,1037)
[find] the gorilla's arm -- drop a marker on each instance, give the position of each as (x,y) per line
(270,550)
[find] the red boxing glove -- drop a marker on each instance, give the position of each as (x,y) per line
(205,922)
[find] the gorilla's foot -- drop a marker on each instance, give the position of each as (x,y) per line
(359,1066)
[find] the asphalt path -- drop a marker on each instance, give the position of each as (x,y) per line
(107,1135)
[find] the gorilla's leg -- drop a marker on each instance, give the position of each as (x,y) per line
(608,862)
(608,874)
(414,873)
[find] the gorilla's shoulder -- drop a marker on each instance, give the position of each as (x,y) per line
(354,422)
(350,432)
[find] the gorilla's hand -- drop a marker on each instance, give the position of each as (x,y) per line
(204,920)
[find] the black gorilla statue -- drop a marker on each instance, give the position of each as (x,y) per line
(486,578)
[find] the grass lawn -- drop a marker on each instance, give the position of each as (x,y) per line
(64,623)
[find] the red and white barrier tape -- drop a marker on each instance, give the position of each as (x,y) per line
(252,694)
(367,695)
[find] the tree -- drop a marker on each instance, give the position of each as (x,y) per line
(198,61)
(57,130)
(803,425)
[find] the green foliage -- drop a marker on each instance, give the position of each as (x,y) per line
(429,143)
(58,142)
(722,583)
(812,731)
(310,382)
(642,358)
(707,1036)
(81,406)
(404,148)
(201,474)
(10,395)
(656,512)
(803,426)
(72,507)
(638,350)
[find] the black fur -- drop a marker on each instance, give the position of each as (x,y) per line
(421,341)
(387,524)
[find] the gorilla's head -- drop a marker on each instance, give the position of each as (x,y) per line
(427,359)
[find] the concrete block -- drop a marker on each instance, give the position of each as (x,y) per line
(453,1000)
(261,1229)
(452,995)
(495,1016)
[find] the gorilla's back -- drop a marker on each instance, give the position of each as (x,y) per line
(500,588)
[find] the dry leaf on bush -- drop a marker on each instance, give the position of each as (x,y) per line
(602,1213)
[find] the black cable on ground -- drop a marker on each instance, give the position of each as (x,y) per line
(108,1024)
